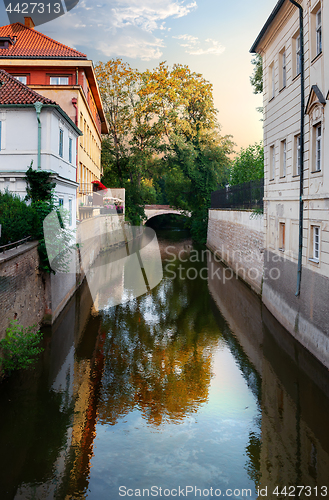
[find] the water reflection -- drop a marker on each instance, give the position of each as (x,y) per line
(294,393)
(158,354)
(177,387)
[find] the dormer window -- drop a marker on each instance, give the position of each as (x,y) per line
(59,80)
(6,41)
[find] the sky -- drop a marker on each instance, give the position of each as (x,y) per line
(212,37)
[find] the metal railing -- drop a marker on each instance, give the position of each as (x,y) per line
(241,197)
(85,188)
(3,248)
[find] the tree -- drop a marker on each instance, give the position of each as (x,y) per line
(256,78)
(248,165)
(197,168)
(164,137)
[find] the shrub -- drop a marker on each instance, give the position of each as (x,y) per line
(19,347)
(16,218)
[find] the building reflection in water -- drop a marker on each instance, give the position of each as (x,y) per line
(294,392)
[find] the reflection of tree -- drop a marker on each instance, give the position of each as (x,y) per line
(253,452)
(158,353)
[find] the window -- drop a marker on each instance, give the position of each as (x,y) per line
(59,80)
(316,31)
(272,81)
(315,237)
(60,202)
(61,135)
(70,149)
(282,236)
(272,162)
(22,79)
(283,69)
(298,54)
(318,21)
(283,159)
(317,142)
(298,150)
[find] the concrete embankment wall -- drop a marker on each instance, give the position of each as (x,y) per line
(306,317)
(237,237)
(95,235)
(22,288)
(30,296)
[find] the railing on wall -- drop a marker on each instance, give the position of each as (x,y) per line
(15,244)
(241,197)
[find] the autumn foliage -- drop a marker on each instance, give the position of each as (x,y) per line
(164,143)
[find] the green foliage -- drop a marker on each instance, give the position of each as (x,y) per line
(19,347)
(197,167)
(38,185)
(256,78)
(16,218)
(248,165)
(19,220)
(164,144)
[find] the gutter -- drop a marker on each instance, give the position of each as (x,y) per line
(269,21)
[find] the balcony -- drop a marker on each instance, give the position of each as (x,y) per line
(94,201)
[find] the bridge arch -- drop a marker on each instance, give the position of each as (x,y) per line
(155,210)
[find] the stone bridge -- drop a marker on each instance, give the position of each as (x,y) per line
(154,210)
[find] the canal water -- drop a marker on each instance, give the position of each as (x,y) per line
(189,390)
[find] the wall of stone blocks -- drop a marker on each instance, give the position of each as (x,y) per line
(32,297)
(21,287)
(237,238)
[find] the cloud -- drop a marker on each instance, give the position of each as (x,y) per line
(133,47)
(193,45)
(148,14)
(120,28)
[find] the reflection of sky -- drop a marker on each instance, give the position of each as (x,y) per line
(204,450)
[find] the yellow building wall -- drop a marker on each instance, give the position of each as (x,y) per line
(89,144)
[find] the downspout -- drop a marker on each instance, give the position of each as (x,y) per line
(38,106)
(301,167)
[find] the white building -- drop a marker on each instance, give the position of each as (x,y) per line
(34,128)
(306,315)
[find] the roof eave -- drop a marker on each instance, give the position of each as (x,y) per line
(55,106)
(266,26)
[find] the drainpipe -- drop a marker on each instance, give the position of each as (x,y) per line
(38,106)
(301,167)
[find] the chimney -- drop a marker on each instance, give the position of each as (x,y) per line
(29,22)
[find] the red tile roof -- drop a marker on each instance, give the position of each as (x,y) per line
(14,92)
(33,44)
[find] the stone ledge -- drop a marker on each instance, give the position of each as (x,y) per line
(15,252)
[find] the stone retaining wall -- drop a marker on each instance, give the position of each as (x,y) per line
(237,237)
(21,287)
(30,296)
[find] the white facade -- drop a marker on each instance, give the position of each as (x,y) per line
(306,316)
(280,51)
(19,146)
